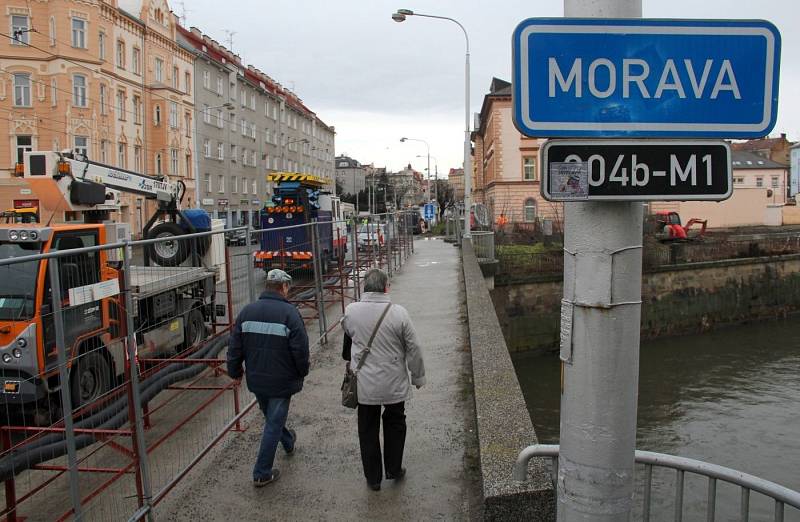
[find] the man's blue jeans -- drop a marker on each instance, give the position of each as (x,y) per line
(275,410)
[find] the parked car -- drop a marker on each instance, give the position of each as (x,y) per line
(236,237)
(371,234)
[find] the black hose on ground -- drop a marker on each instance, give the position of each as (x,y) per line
(112,416)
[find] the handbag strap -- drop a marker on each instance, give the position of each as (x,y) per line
(372,337)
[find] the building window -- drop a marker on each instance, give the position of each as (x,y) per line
(137,158)
(220,151)
(244,127)
(187,123)
(101,45)
(103,151)
(136,60)
(529,168)
(529,211)
(208,183)
(79,90)
(121,105)
(159,170)
(759,181)
(120,54)
(187,82)
(234,185)
(53,92)
(738,181)
(220,83)
(137,110)
(232,118)
(253,101)
(245,157)
(206,114)
(81,145)
(253,130)
(206,148)
(20,25)
(173,162)
(103,99)
(243,96)
(122,156)
(22,90)
(234,152)
(206,80)
(255,185)
(159,70)
(157,115)
(774,181)
(24,144)
(267,135)
(219,118)
(221,183)
(173,115)
(79,33)
(245,185)
(175,75)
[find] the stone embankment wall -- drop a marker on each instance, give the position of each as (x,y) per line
(679,299)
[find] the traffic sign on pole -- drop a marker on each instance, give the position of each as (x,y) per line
(576,77)
(636,170)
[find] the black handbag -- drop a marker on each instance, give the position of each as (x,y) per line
(350,382)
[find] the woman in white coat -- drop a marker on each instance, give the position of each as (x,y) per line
(383,380)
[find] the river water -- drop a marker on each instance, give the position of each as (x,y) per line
(730,397)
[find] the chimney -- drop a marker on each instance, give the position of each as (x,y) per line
(783,136)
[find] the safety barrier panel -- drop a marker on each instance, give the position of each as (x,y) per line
(112,352)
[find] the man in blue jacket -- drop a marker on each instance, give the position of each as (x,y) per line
(270,339)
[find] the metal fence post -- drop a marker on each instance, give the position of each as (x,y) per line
(354,257)
(389,239)
(139,446)
(317,264)
(249,264)
(65,389)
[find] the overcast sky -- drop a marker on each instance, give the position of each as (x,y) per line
(376,80)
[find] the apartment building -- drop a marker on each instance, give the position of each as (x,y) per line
(247,126)
(505,163)
(105,79)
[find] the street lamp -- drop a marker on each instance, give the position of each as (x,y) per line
(428,190)
(400,16)
(435,178)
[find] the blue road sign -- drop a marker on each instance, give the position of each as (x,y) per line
(645,78)
(429,211)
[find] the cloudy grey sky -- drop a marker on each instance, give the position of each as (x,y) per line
(376,80)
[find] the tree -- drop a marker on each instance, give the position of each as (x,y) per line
(445,195)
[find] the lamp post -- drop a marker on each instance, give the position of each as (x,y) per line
(400,16)
(435,178)
(428,189)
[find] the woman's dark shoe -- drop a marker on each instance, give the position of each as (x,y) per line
(397,476)
(374,487)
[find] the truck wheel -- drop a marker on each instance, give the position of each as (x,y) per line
(195,329)
(168,253)
(90,378)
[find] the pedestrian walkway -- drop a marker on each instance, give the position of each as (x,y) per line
(323,480)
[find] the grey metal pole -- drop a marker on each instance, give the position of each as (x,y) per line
(467,148)
(66,389)
(248,265)
(600,341)
(141,446)
(354,258)
(318,275)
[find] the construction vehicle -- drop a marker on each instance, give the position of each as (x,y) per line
(300,199)
(21,215)
(666,226)
(171,303)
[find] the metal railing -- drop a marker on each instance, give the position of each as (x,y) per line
(129,391)
(483,243)
(780,495)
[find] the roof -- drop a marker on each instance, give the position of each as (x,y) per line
(497,89)
(750,160)
(346,162)
(761,144)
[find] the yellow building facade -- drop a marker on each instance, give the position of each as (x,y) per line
(104,78)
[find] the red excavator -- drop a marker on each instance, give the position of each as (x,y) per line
(667,227)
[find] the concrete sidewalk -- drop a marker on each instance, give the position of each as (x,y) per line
(324,479)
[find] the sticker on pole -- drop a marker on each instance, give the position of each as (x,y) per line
(569,181)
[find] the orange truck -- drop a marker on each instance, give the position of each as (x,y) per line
(172,303)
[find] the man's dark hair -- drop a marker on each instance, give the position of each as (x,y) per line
(375,280)
(275,286)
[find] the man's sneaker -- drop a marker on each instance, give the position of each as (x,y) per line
(397,476)
(294,442)
(260,483)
